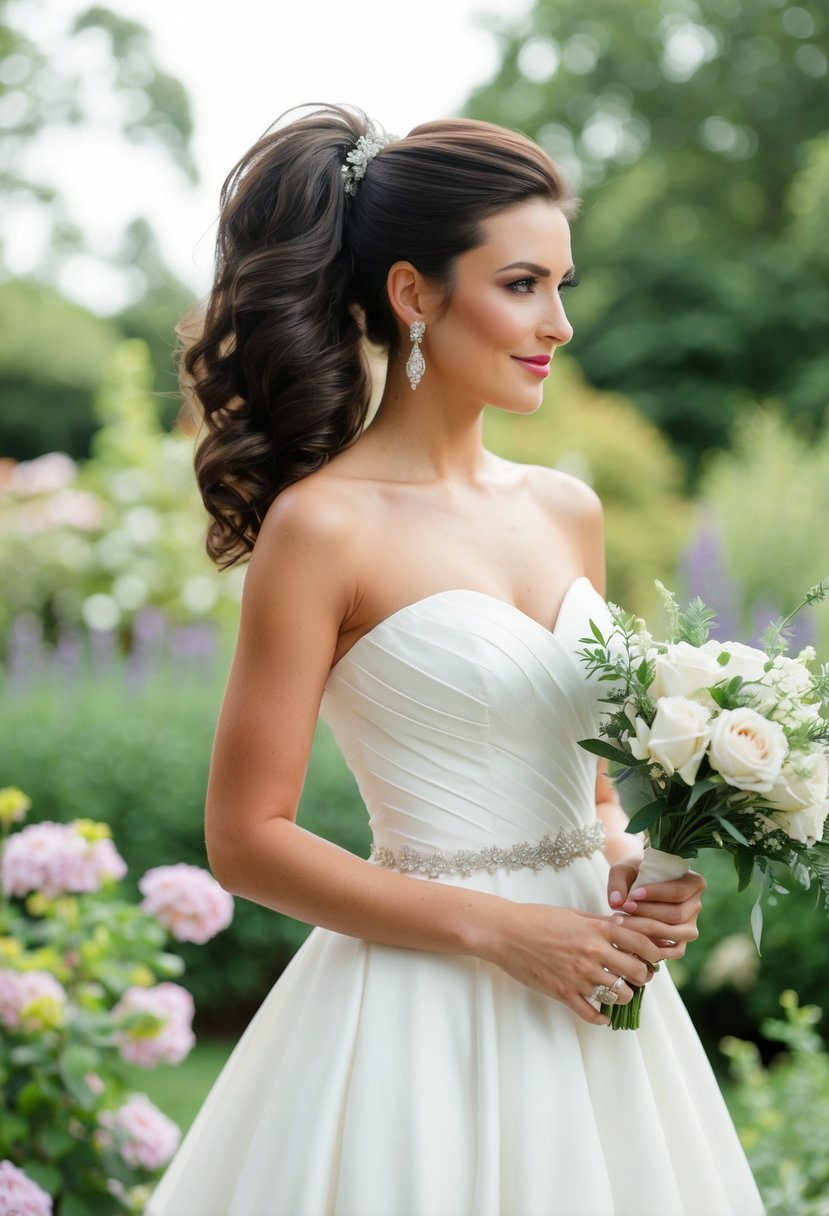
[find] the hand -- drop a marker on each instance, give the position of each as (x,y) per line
(565,954)
(666,912)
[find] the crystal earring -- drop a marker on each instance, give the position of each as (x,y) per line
(416,365)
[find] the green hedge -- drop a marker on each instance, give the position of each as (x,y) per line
(138,758)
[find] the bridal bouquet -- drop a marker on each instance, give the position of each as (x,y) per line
(725,745)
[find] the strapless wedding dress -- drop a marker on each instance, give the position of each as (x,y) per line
(377,1081)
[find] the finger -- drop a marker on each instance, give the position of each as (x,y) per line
(657,931)
(635,939)
(619,882)
(615,984)
(581,1006)
(635,969)
(668,913)
(675,890)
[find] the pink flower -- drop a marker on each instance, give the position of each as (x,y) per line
(187,902)
(58,858)
(145,1137)
(30,1001)
(164,1035)
(44,475)
(19,1196)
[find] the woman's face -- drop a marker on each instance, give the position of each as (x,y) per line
(505,318)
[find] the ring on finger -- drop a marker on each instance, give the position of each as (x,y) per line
(604,995)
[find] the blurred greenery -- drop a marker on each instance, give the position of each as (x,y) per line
(180,1089)
(782,1112)
(51,354)
(103,545)
(764,496)
(52,350)
(697,133)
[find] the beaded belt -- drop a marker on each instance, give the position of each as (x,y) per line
(558,852)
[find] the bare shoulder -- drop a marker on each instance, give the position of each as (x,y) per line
(314,510)
(306,541)
(574,511)
(569,497)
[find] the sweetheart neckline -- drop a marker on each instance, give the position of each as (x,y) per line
(484,595)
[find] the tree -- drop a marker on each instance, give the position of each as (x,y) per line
(45,86)
(51,350)
(696,131)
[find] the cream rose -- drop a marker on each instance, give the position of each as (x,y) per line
(747,749)
(678,736)
(800,795)
(745,661)
(683,670)
(805,826)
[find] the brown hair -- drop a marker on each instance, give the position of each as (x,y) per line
(301,269)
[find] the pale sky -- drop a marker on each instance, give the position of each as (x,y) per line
(244,62)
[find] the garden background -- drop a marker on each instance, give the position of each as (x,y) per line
(694,397)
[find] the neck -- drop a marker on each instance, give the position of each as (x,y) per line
(431,433)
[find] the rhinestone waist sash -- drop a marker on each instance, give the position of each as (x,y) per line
(556,852)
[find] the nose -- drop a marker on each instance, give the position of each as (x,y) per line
(555,326)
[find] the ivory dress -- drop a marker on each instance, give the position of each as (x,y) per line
(377,1081)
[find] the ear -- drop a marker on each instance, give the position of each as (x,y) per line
(411,296)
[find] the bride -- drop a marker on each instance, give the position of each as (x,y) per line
(437,1047)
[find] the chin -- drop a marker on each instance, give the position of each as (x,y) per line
(514,406)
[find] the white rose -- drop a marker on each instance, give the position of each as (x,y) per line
(639,739)
(679,735)
(745,661)
(682,670)
(800,795)
(747,749)
(805,826)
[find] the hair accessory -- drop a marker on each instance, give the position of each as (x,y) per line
(416,364)
(360,156)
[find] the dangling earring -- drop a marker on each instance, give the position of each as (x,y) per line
(416,365)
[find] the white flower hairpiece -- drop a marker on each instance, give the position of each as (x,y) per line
(359,158)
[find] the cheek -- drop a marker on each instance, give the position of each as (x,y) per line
(492,321)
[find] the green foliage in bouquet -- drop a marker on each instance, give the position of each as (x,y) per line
(85,988)
(782,1111)
(725,746)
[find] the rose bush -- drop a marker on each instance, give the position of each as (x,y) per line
(85,983)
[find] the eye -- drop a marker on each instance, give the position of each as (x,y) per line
(572,281)
(523,287)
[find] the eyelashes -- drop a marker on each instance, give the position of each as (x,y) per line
(527,285)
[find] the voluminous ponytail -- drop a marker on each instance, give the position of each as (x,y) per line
(301,267)
(279,367)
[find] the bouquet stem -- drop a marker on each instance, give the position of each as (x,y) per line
(656,866)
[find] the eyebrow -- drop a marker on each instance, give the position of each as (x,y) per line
(534,268)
